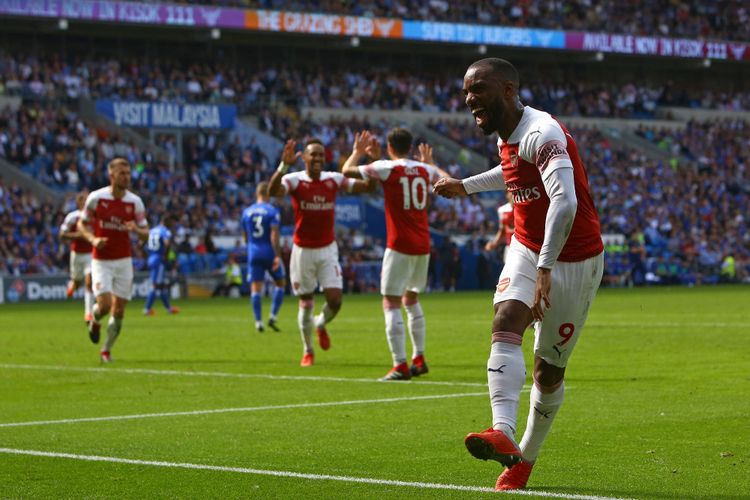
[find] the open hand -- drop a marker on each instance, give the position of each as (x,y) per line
(288,155)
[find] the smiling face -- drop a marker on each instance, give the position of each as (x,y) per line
(314,158)
(489,97)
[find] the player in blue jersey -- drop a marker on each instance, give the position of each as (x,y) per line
(157,246)
(260,223)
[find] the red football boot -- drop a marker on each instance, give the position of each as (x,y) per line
(398,372)
(514,478)
(493,445)
(308,359)
(323,339)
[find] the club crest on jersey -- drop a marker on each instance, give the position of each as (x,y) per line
(330,184)
(502,285)
(514,159)
(129,209)
(105,203)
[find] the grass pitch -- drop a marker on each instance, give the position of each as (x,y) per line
(199,405)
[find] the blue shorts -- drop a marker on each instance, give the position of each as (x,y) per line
(256,270)
(158,272)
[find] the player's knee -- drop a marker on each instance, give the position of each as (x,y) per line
(410,298)
(511,316)
(390,302)
(306,303)
(547,377)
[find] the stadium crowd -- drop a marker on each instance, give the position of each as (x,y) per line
(718,20)
(375,88)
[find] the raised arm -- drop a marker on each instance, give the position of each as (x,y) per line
(288,158)
(362,140)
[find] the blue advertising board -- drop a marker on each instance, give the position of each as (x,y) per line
(167,114)
(480,34)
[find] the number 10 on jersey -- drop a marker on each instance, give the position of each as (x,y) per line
(414,197)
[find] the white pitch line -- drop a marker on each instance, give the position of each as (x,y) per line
(149,371)
(299,475)
(239,410)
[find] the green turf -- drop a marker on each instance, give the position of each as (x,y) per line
(659,392)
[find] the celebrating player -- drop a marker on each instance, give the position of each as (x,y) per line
(505,227)
(80,256)
(260,223)
(407,257)
(553,268)
(111,214)
(315,254)
(157,246)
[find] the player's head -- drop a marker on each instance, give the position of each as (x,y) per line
(261,191)
(314,156)
(491,92)
(119,173)
(399,142)
(81,199)
(169,221)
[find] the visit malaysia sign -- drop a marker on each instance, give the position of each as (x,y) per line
(168,115)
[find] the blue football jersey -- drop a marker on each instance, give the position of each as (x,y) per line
(158,241)
(257,221)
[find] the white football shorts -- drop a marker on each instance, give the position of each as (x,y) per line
(574,285)
(402,272)
(309,267)
(113,276)
(80,265)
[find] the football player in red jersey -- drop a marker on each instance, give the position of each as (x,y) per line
(80,256)
(554,263)
(110,215)
(407,256)
(315,254)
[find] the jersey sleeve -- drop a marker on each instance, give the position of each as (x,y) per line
(344,183)
(89,208)
(276,218)
(546,148)
(68,223)
(140,212)
(379,170)
(290,182)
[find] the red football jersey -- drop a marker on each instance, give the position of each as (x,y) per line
(77,245)
(314,205)
(108,215)
(406,189)
(505,215)
(537,140)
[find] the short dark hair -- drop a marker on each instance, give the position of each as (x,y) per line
(169,219)
(500,67)
(400,140)
(314,140)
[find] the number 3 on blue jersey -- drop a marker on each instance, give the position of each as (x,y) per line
(258,223)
